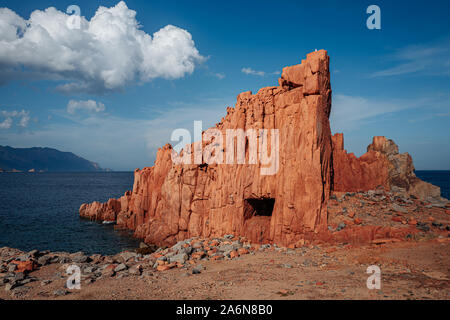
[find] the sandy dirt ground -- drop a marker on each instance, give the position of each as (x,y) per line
(409,270)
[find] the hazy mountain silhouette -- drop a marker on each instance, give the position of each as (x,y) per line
(43,159)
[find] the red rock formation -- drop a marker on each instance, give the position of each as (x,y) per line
(382,165)
(358,174)
(172,202)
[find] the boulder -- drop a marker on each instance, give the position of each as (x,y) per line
(44,260)
(136,270)
(25,266)
(121,267)
(127,255)
(80,257)
(108,271)
(179,258)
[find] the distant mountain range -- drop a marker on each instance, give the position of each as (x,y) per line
(43,159)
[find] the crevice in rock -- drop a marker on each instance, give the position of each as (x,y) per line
(258,207)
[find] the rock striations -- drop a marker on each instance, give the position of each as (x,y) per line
(172,202)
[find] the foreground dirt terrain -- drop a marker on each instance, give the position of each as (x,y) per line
(411,270)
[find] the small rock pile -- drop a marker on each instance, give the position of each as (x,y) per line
(188,252)
(16,267)
(386,208)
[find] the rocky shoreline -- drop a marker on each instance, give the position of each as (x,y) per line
(17,267)
(388,217)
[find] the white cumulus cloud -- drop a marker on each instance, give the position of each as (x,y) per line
(219,75)
(6,124)
(253,72)
(22,116)
(250,71)
(105,53)
(89,106)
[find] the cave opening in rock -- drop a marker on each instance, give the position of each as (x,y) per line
(258,207)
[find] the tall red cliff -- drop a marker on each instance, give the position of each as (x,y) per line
(171,202)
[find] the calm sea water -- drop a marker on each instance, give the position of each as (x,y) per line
(40,211)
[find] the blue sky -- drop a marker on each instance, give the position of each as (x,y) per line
(393,82)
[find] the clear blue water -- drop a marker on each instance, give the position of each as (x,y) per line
(40,211)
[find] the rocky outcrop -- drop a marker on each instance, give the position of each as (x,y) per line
(172,202)
(358,174)
(383,166)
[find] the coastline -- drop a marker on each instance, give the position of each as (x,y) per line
(411,241)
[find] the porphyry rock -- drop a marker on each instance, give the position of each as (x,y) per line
(24,266)
(171,202)
(44,260)
(127,255)
(179,258)
(121,267)
(382,165)
(80,258)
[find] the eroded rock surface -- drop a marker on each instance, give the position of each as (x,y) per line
(172,202)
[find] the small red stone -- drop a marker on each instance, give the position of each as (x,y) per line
(25,266)
(242,251)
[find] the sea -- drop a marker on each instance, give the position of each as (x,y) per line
(40,210)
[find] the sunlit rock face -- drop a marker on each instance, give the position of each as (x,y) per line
(283,202)
(171,202)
